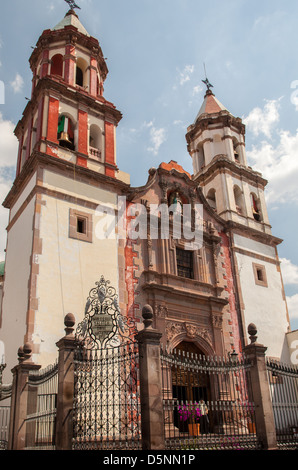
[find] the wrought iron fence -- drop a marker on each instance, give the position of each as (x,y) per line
(107,411)
(4,426)
(41,413)
(207,402)
(283,383)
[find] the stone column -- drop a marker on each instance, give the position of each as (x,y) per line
(20,398)
(151,384)
(64,419)
(265,426)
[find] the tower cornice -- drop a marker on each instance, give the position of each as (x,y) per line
(51,84)
(69,35)
(222,162)
(40,159)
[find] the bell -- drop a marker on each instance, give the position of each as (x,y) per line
(64,140)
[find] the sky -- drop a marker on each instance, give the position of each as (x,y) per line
(156,51)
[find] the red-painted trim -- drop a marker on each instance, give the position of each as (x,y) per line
(109,148)
(70,64)
(225,245)
(53,116)
(83,132)
(93,77)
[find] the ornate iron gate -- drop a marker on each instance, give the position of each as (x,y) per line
(107,400)
(207,403)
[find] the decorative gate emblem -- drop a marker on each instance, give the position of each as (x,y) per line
(103,325)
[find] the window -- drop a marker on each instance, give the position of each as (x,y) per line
(238,200)
(184,263)
(80,225)
(79,77)
(211,198)
(260,275)
(256,208)
(65,133)
(57,65)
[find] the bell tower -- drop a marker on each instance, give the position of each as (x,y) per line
(66,169)
(68,117)
(216,143)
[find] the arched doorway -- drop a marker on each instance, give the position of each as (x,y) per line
(189,386)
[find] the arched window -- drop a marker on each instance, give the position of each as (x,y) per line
(211,198)
(81,73)
(201,157)
(256,211)
(236,151)
(57,65)
(95,141)
(79,77)
(65,133)
(238,200)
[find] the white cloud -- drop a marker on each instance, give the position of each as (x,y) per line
(292,303)
(17,84)
(289,272)
(8,143)
(186,73)
(279,164)
(157,136)
(8,158)
(262,120)
(276,160)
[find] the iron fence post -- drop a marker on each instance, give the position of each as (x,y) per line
(150,384)
(65,397)
(265,426)
(20,398)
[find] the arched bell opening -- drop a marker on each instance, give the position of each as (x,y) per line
(57,65)
(65,133)
(256,209)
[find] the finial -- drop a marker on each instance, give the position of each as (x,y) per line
(25,352)
(69,322)
(147,314)
(72,4)
(206,81)
(252,331)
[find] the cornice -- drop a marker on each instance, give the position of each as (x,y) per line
(49,84)
(269,239)
(38,158)
(70,35)
(221,162)
(224,118)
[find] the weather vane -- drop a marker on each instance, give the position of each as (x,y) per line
(206,81)
(72,4)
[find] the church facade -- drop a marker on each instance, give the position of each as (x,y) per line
(69,191)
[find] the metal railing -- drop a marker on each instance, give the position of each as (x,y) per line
(283,382)
(207,402)
(42,403)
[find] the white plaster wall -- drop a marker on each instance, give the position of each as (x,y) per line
(25,193)
(17,273)
(68,268)
(264,306)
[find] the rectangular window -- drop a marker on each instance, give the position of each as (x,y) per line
(80,225)
(184,263)
(260,275)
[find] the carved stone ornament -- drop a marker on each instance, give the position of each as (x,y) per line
(191,331)
(160,311)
